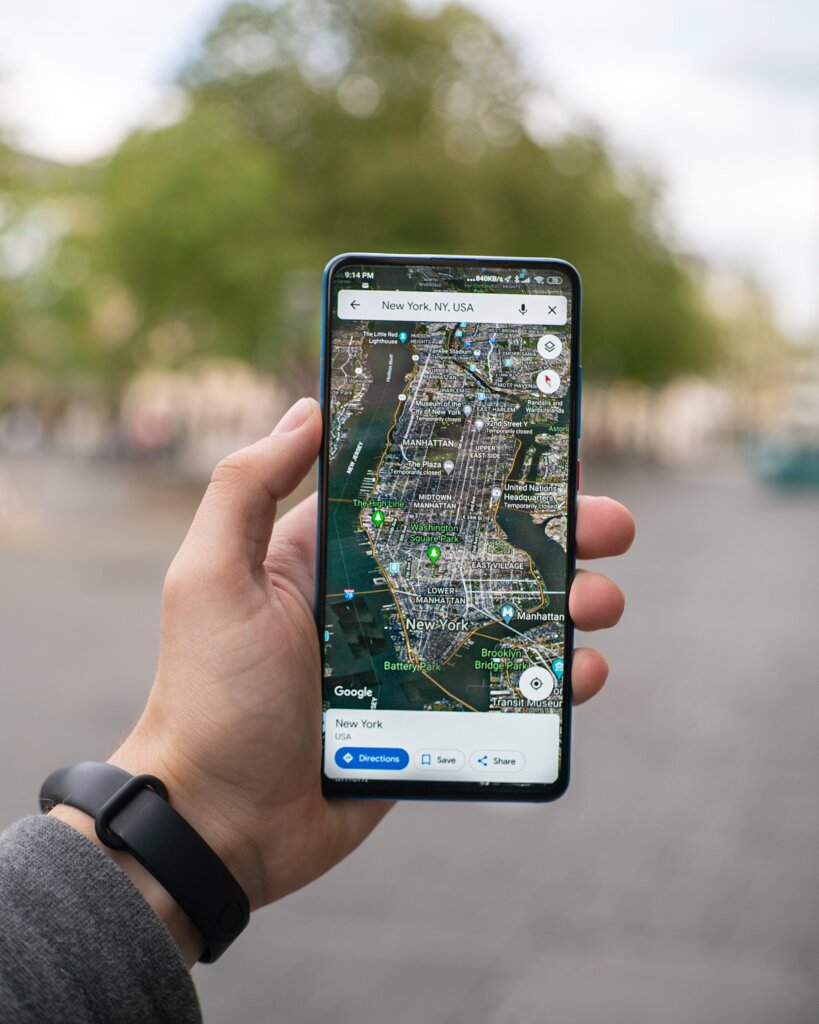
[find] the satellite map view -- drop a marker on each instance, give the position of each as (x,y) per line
(448,462)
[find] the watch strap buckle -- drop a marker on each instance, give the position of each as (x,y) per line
(118,801)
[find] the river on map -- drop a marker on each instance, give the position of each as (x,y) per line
(359,640)
(548,556)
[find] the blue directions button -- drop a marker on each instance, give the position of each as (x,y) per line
(389,759)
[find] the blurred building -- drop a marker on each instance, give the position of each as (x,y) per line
(198,415)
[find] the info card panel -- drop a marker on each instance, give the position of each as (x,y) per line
(446,745)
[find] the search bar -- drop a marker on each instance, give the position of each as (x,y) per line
(451,307)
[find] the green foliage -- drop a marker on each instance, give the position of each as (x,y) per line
(319,126)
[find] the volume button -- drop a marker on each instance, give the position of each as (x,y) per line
(579,397)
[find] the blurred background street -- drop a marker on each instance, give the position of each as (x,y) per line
(173,179)
(679,878)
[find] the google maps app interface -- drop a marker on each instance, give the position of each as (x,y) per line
(447,487)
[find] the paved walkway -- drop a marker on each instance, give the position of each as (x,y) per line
(677,882)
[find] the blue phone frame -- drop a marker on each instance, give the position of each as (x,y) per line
(396,789)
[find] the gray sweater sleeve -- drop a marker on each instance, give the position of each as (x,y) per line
(78,943)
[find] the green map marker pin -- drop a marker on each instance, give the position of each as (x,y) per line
(378,517)
(433,553)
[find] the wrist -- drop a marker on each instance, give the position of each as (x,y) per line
(195,799)
(182,929)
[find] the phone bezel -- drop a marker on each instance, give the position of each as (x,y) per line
(396,789)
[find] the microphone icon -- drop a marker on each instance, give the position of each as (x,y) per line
(522,308)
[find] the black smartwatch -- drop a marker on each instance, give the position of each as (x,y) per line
(132,813)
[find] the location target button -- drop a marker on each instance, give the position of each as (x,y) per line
(536,683)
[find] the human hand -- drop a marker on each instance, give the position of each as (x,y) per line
(233,722)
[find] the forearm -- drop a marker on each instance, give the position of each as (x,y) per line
(79,943)
(157,822)
(158,899)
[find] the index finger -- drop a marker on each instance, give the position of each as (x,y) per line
(604,527)
(292,553)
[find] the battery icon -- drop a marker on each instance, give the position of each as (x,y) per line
(554,280)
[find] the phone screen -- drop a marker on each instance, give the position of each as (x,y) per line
(447,507)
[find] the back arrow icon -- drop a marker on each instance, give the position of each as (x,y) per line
(355,303)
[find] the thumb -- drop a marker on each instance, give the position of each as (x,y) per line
(233,523)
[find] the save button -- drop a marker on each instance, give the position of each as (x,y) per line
(439,760)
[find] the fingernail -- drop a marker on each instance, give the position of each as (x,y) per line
(295,416)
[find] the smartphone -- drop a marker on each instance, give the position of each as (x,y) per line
(448,482)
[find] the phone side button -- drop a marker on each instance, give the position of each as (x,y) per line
(577,478)
(579,398)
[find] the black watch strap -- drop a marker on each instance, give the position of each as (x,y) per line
(131,812)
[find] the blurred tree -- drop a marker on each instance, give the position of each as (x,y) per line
(35,338)
(312,127)
(7,305)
